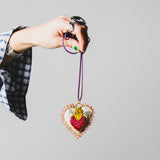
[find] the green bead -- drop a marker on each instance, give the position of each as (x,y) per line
(76,48)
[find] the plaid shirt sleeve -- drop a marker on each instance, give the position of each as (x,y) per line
(14,78)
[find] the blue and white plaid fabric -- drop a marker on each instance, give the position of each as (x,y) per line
(14,78)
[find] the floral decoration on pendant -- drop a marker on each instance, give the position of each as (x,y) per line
(77,118)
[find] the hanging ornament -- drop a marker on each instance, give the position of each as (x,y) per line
(77,117)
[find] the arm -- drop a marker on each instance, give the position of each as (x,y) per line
(48,35)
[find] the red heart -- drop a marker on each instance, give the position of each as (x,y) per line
(78,124)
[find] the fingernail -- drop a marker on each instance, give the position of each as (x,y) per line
(76,48)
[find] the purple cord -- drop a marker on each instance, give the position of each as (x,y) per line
(67,36)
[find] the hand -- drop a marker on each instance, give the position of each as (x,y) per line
(49,35)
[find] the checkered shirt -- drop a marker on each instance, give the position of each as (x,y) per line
(14,78)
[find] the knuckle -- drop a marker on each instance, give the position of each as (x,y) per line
(63,16)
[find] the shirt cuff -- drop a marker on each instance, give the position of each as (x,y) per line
(12,53)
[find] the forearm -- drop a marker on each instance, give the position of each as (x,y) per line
(48,35)
(19,41)
(22,40)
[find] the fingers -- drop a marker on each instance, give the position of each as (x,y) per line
(80,31)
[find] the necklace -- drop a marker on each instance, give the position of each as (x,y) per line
(77,117)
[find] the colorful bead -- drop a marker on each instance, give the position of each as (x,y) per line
(78,112)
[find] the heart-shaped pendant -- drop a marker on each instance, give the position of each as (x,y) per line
(77,118)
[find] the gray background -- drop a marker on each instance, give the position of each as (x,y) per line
(121,82)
